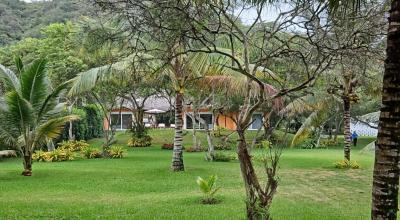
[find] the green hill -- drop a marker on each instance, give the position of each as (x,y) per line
(19,19)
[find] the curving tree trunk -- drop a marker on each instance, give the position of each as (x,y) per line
(177,155)
(386,169)
(259,198)
(347,133)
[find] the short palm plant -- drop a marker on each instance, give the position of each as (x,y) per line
(30,114)
(208,188)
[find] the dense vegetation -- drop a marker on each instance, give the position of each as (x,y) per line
(19,19)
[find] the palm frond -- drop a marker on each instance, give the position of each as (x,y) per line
(20,110)
(51,101)
(9,78)
(298,106)
(314,120)
(33,83)
(8,129)
(19,64)
(52,128)
(87,80)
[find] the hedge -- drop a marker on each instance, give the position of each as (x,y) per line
(89,126)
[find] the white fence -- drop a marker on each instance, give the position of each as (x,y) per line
(363,129)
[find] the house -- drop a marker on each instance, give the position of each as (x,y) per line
(121,118)
(223,120)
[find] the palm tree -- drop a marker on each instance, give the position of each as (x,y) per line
(387,153)
(30,113)
(184,70)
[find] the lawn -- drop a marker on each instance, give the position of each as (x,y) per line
(141,186)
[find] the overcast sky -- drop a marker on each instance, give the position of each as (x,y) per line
(269,14)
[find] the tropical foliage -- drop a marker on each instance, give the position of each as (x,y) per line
(208,188)
(30,112)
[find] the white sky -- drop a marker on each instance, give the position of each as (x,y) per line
(270,13)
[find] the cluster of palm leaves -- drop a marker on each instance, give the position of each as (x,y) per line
(29,111)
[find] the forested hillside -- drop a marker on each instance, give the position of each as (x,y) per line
(19,19)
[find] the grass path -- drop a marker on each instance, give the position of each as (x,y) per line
(140,186)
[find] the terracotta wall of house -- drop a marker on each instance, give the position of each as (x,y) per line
(226,121)
(106,126)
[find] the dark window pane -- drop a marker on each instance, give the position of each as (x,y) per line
(126,121)
(208,119)
(115,121)
(189,122)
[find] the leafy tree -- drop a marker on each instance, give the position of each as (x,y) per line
(30,113)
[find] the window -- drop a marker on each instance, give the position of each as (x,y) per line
(189,122)
(121,121)
(257,122)
(208,117)
(115,121)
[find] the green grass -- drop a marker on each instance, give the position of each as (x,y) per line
(141,186)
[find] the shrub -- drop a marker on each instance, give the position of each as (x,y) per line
(40,156)
(57,155)
(166,146)
(346,164)
(328,143)
(222,146)
(260,158)
(208,188)
(193,149)
(91,153)
(94,121)
(224,157)
(73,145)
(308,144)
(90,124)
(144,141)
(116,152)
(218,131)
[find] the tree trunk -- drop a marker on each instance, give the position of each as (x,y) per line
(70,128)
(138,122)
(337,127)
(195,141)
(347,133)
(320,129)
(70,133)
(210,152)
(27,163)
(177,155)
(386,169)
(257,203)
(50,145)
